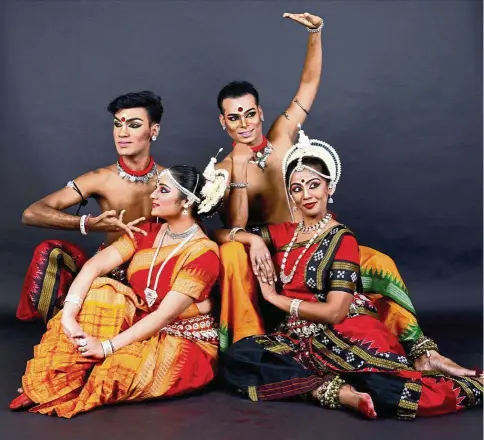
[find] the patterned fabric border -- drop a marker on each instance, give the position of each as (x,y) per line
(387,285)
(470,391)
(408,405)
(48,294)
(285,388)
(348,357)
(343,276)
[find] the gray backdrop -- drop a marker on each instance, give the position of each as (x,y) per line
(400,99)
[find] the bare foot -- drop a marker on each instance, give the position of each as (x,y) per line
(361,402)
(21,403)
(440,363)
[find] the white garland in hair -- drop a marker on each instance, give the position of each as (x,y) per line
(215,186)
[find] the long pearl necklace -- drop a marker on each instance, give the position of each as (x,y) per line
(288,278)
(150,293)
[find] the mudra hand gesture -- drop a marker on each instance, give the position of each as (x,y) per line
(110,221)
(306,19)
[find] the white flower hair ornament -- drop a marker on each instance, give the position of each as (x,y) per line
(212,191)
(215,185)
(305,148)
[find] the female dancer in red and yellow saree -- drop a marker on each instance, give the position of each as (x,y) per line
(116,343)
(330,342)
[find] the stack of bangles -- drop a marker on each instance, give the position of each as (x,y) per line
(423,345)
(84,224)
(294,307)
(234,231)
(108,347)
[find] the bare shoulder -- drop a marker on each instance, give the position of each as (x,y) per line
(93,181)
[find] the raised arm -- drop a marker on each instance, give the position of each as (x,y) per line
(286,125)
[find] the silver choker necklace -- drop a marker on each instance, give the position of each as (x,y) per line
(322,222)
(261,157)
(181,235)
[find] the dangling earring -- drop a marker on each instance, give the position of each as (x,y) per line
(262,118)
(157,219)
(294,208)
(330,200)
(224,127)
(185,210)
(153,138)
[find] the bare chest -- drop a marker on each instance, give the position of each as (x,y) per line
(132,197)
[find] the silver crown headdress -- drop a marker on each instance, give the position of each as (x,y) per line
(212,191)
(306,147)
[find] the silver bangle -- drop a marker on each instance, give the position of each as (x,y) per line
(234,231)
(82,224)
(238,185)
(74,299)
(107,347)
(294,308)
(318,29)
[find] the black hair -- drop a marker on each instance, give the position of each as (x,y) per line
(186,176)
(236,89)
(147,100)
(312,162)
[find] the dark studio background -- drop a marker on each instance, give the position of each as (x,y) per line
(400,99)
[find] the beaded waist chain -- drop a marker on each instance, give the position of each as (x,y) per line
(198,328)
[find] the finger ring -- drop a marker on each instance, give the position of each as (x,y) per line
(82,343)
(82,349)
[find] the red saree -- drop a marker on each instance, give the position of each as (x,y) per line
(179,359)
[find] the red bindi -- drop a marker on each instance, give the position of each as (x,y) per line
(240,109)
(123,119)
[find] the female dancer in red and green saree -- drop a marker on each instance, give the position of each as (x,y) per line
(330,345)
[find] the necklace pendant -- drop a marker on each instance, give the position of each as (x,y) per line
(151,296)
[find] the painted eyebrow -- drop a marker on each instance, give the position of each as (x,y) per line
(238,114)
(309,181)
(129,120)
